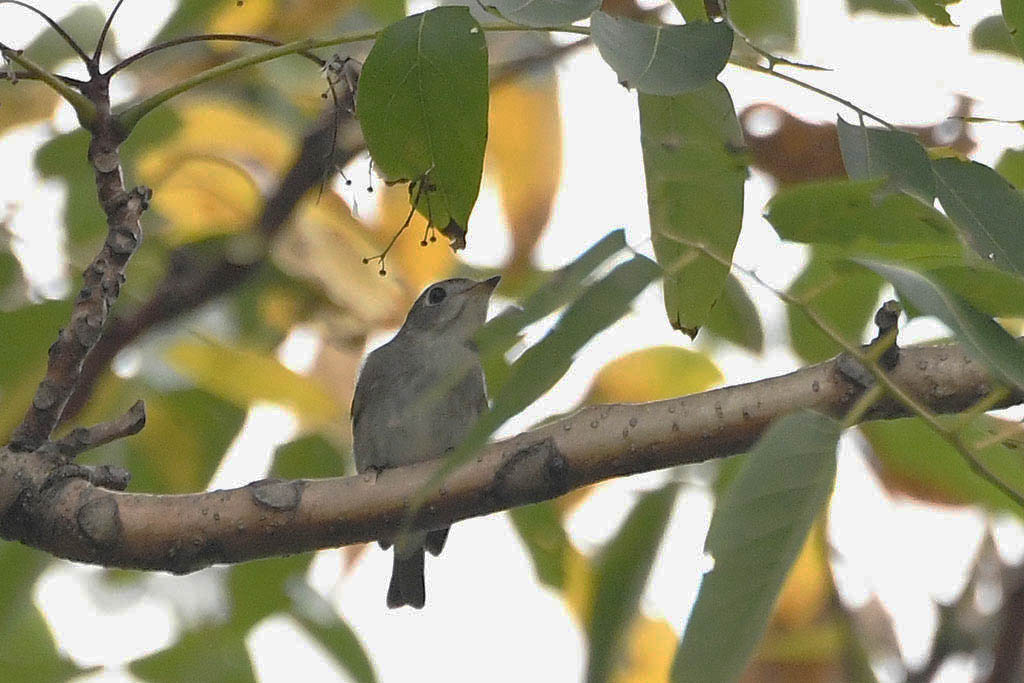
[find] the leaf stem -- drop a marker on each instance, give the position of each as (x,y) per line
(950,435)
(83,107)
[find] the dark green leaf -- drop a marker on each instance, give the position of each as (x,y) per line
(876,153)
(757,531)
(769,24)
(848,215)
(843,294)
(422,106)
(695,179)
(1013,15)
(215,654)
(544,12)
(983,338)
(309,457)
(622,569)
(986,208)
(544,536)
(916,460)
(662,60)
(735,318)
(991,35)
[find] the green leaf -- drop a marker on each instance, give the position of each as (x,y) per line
(918,461)
(935,10)
(29,652)
(757,531)
(843,294)
(849,216)
(988,289)
(544,12)
(28,331)
(988,210)
(215,654)
(695,179)
(200,425)
(1011,167)
(65,157)
(309,457)
(895,156)
(422,105)
(983,338)
(897,7)
(1013,15)
(691,10)
(337,637)
(662,60)
(992,35)
(735,317)
(260,588)
(561,286)
(541,530)
(244,377)
(769,24)
(544,363)
(622,569)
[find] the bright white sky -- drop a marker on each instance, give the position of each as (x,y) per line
(484,607)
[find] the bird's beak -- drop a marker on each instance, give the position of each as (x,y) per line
(491,282)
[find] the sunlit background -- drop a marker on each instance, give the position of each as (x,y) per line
(893,558)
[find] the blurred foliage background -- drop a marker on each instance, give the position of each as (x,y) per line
(214,156)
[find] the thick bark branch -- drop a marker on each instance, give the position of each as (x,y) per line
(181,533)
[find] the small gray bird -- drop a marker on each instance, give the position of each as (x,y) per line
(407,410)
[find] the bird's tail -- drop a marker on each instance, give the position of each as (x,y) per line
(407,581)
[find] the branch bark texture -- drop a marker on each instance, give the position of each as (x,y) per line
(75,519)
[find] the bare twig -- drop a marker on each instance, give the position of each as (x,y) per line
(230,37)
(95,61)
(54,25)
(82,439)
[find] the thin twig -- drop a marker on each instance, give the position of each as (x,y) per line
(54,25)
(103,35)
(82,439)
(230,37)
(951,436)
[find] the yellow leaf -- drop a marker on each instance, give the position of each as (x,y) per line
(327,245)
(808,587)
(524,155)
(245,377)
(415,265)
(249,17)
(652,647)
(652,374)
(204,197)
(579,584)
(207,178)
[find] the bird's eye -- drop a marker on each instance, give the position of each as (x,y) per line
(436,295)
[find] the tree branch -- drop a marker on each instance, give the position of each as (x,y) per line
(184,533)
(194,278)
